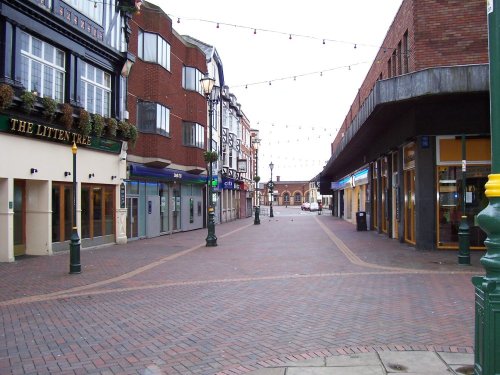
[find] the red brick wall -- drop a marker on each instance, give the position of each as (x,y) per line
(151,82)
(440,33)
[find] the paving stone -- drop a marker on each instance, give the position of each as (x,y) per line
(313,362)
(412,362)
(457,358)
(269,371)
(361,359)
(357,370)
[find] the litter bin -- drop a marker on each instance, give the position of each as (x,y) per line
(361,220)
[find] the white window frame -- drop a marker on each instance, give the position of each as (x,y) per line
(193,135)
(91,9)
(31,58)
(161,49)
(92,85)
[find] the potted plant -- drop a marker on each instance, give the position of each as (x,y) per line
(133,133)
(210,156)
(98,125)
(124,128)
(111,126)
(84,123)
(29,99)
(6,95)
(50,107)
(67,116)
(256,179)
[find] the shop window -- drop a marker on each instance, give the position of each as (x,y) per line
(97,216)
(451,203)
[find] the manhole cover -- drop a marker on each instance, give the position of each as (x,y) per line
(466,370)
(397,367)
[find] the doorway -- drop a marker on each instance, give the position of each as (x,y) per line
(19,217)
(132,217)
(410,212)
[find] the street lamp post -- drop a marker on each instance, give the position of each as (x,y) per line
(207,84)
(271,186)
(256,221)
(74,246)
(285,196)
(487,303)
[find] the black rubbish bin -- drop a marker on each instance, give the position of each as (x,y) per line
(361,220)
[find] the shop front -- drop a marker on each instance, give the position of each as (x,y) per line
(452,202)
(36,189)
(352,195)
(230,199)
(163,201)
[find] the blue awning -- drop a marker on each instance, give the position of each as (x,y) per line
(166,174)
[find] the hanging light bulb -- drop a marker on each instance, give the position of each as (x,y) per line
(355,46)
(95,4)
(217,24)
(246,86)
(324,41)
(254,31)
(270,85)
(290,37)
(178,20)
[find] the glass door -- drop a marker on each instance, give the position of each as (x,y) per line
(19,218)
(410,206)
(132,217)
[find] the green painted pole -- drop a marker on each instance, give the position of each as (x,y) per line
(487,302)
(463,229)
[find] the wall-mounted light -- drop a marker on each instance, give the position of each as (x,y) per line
(66,174)
(91,175)
(33,170)
(113,177)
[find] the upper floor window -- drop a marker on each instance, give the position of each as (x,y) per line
(91,9)
(42,67)
(95,92)
(153,118)
(191,79)
(193,135)
(153,48)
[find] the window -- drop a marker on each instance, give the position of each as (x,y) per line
(191,79)
(42,67)
(406,53)
(400,63)
(154,48)
(297,198)
(194,135)
(92,9)
(153,118)
(95,92)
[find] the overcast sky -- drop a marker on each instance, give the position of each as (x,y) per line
(307,85)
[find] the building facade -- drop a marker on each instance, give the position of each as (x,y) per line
(398,155)
(63,80)
(167,175)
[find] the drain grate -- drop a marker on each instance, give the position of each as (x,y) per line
(466,370)
(397,367)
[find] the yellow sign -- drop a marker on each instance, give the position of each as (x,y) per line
(44,131)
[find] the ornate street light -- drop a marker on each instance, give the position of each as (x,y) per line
(271,187)
(208,85)
(74,246)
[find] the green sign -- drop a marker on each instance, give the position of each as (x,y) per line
(27,128)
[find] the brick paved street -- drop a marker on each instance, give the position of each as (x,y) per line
(298,286)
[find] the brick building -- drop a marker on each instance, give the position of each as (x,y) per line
(289,193)
(397,155)
(166,188)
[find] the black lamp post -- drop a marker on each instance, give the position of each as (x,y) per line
(271,186)
(256,143)
(74,246)
(207,84)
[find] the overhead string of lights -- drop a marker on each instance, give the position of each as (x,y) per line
(290,35)
(295,76)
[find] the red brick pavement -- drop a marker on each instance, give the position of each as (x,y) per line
(293,287)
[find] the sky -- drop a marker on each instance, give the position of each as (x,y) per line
(292,86)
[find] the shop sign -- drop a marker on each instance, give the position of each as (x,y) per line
(122,195)
(31,129)
(227,183)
